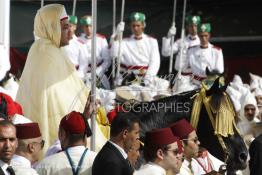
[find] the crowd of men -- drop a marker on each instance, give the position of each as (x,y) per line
(53,102)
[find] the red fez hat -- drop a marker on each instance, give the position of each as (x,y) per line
(163,136)
(112,114)
(10,105)
(179,145)
(73,123)
(19,109)
(182,128)
(27,131)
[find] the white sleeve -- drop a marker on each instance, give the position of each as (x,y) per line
(220,62)
(105,57)
(166,47)
(154,63)
(182,62)
(83,61)
(114,49)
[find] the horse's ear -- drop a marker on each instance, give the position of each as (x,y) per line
(214,88)
(207,71)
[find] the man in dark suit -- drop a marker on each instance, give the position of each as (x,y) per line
(255,151)
(112,159)
(8,144)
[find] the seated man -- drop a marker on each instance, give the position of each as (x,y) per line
(162,152)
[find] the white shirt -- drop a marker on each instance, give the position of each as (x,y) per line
(181,63)
(185,170)
(21,165)
(150,169)
(4,166)
(121,150)
(142,52)
(200,58)
(102,53)
(77,54)
(58,164)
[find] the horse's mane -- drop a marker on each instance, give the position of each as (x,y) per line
(162,112)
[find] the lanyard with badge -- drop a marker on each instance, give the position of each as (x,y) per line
(76,171)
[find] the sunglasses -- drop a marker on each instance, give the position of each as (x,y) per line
(176,152)
(42,143)
(195,140)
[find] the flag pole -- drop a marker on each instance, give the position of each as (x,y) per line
(93,73)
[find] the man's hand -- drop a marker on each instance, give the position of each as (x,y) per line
(171,31)
(91,108)
(120,28)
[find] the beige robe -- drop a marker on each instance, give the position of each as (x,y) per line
(49,86)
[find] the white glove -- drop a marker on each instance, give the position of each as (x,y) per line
(120,28)
(182,44)
(171,31)
(99,71)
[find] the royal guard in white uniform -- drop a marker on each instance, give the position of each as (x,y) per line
(206,55)
(75,50)
(102,51)
(139,52)
(190,40)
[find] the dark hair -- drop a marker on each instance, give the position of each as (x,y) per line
(122,121)
(73,138)
(150,151)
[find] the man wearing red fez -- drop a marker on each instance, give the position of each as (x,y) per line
(8,107)
(112,158)
(75,158)
(8,145)
(191,165)
(30,144)
(162,152)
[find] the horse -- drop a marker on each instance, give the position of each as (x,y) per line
(163,112)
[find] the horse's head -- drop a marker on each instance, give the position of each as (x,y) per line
(221,120)
(236,159)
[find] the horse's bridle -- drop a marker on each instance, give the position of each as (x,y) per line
(195,118)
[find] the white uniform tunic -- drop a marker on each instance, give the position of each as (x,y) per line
(139,53)
(22,166)
(102,53)
(77,55)
(150,169)
(181,63)
(58,164)
(200,58)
